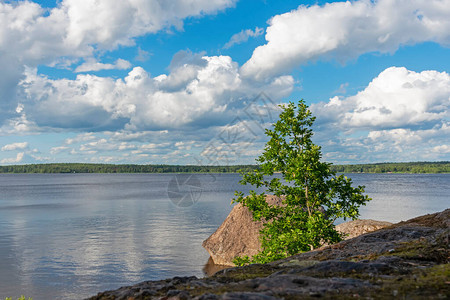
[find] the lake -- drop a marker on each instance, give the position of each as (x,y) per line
(69,236)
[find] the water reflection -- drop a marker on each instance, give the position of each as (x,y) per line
(211,268)
(399,197)
(69,236)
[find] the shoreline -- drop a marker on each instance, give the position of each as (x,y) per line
(204,173)
(440,167)
(409,259)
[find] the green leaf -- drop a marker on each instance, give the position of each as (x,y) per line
(314,195)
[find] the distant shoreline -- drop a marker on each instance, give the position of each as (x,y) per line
(379,168)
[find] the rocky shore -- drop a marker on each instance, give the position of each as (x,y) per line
(239,233)
(408,260)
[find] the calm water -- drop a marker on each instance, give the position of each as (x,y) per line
(69,236)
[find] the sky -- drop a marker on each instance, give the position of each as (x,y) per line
(198,81)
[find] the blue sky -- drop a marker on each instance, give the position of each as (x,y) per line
(196,82)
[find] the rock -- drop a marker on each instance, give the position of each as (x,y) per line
(357,227)
(408,260)
(237,236)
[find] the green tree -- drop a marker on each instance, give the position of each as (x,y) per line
(313,195)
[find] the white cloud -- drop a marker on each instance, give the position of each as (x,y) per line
(101,144)
(398,137)
(401,115)
(15,146)
(32,36)
(150,146)
(96,22)
(198,90)
(19,126)
(56,150)
(397,97)
(243,36)
(126,146)
(19,108)
(123,135)
(185,145)
(442,149)
(345,30)
(393,145)
(82,137)
(74,26)
(93,65)
(16,159)
(408,145)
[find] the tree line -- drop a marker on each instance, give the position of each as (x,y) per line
(122,168)
(410,167)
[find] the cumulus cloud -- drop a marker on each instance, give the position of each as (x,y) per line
(408,145)
(82,137)
(143,136)
(442,149)
(15,146)
(243,36)
(400,115)
(199,90)
(102,144)
(390,145)
(102,147)
(74,27)
(56,150)
(345,30)
(19,126)
(93,65)
(31,35)
(96,22)
(235,142)
(396,98)
(13,160)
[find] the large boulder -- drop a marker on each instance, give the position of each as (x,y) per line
(237,236)
(239,233)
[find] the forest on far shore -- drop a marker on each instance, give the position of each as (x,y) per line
(410,167)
